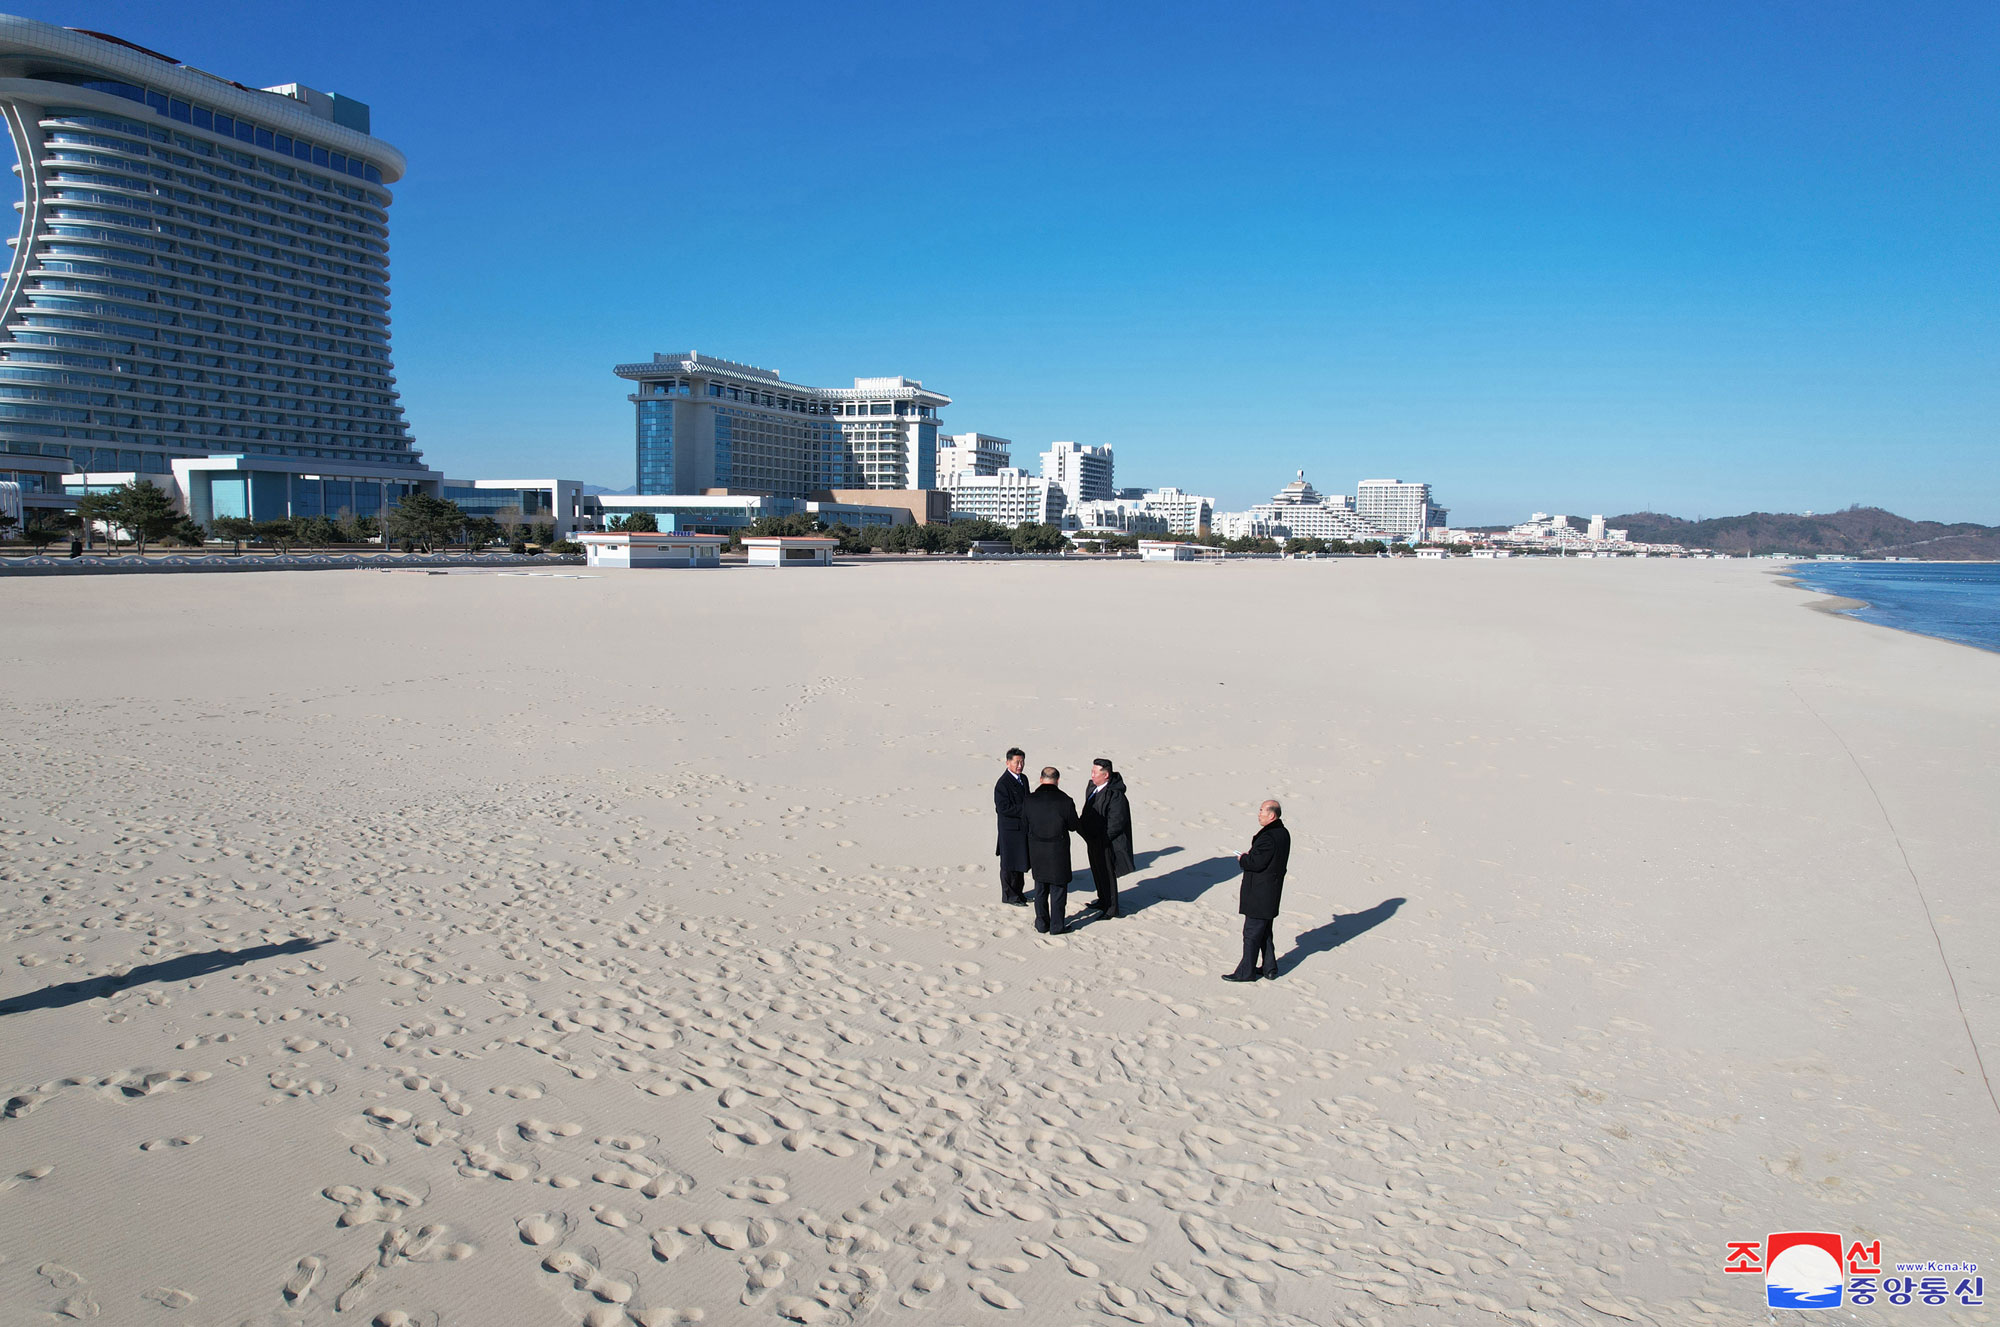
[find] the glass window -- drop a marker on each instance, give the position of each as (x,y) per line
(340,162)
(246,132)
(264,139)
(372,175)
(179,110)
(157,100)
(203,118)
(320,156)
(879,408)
(285,144)
(225,125)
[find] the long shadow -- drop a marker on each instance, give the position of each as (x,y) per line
(1182,885)
(1142,860)
(172,969)
(1338,932)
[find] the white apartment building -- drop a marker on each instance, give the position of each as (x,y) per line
(1010,497)
(1184,513)
(1405,510)
(971,454)
(1082,472)
(1114,516)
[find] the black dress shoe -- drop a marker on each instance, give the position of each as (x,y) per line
(1239,976)
(1270,974)
(1042,928)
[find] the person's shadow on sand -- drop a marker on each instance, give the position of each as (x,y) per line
(172,969)
(1338,932)
(1184,884)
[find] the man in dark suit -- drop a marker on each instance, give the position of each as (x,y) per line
(1008,794)
(1263,885)
(1051,818)
(1106,825)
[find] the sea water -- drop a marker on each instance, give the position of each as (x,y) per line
(1951,600)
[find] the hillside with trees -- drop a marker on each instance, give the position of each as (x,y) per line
(1858,531)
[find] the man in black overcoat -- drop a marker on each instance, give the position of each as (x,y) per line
(1051,817)
(1263,887)
(1008,794)
(1106,826)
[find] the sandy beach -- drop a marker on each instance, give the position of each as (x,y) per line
(491,949)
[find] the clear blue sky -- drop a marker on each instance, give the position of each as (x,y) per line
(1595,257)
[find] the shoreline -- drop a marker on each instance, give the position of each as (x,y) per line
(1849,608)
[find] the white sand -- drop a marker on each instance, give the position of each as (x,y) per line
(664,976)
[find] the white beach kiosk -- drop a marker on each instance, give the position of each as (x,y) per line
(1165,550)
(790,550)
(625,548)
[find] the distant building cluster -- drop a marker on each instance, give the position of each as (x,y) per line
(1545,533)
(226,337)
(1389,510)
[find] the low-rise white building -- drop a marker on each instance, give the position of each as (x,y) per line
(1010,497)
(1115,516)
(1155,550)
(622,549)
(789,550)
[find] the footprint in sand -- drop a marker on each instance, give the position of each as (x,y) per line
(763,1273)
(28,1176)
(544,1227)
(610,1288)
(301,1282)
(993,1293)
(766,1189)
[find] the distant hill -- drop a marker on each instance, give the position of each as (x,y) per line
(1858,530)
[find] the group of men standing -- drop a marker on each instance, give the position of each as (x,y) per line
(1035,824)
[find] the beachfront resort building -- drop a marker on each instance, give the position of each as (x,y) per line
(1184,513)
(1114,516)
(1300,511)
(706,423)
(1083,473)
(199,293)
(1405,510)
(1010,497)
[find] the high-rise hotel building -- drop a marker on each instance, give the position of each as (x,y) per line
(1402,509)
(704,423)
(199,292)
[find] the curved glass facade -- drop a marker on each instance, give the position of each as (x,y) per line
(189,282)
